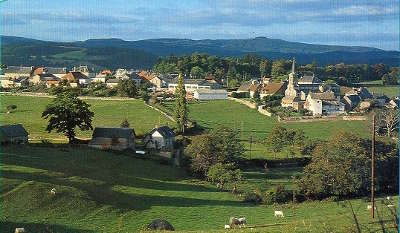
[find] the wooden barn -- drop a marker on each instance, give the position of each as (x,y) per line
(113,138)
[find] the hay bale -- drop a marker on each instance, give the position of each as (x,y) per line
(160,224)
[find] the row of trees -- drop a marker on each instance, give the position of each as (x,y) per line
(253,66)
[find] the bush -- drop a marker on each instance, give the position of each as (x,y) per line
(253,197)
(240,95)
(279,195)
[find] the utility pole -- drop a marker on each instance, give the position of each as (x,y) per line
(373,167)
(251,142)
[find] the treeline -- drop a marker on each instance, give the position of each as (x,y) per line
(253,66)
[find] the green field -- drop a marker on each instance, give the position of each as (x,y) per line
(390,91)
(109,192)
(210,114)
(207,114)
(107,113)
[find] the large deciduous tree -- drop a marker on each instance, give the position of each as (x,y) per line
(66,113)
(387,121)
(220,146)
(181,111)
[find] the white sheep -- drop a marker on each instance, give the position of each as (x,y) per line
(279,213)
(388,198)
(20,230)
(53,191)
(390,206)
(227,227)
(370,207)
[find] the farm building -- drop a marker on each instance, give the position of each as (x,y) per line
(15,134)
(213,94)
(161,138)
(113,138)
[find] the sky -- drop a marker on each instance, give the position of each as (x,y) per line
(372,23)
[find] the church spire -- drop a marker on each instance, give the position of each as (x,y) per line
(293,65)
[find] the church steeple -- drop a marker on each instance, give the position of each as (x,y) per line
(293,65)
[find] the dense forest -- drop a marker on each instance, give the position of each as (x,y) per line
(252,66)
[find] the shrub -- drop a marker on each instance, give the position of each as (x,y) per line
(253,197)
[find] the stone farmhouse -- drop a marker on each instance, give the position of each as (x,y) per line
(161,138)
(113,138)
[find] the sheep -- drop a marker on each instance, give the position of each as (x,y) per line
(388,198)
(53,191)
(233,222)
(227,227)
(20,230)
(370,207)
(390,206)
(279,213)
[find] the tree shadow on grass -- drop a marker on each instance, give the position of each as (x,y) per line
(123,200)
(7,226)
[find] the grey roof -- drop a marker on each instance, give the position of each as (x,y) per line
(13,131)
(245,86)
(48,77)
(309,80)
(354,100)
(364,93)
(323,95)
(56,70)
(165,131)
(18,69)
(112,132)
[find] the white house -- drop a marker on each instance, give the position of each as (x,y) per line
(324,103)
(193,84)
(161,138)
(210,94)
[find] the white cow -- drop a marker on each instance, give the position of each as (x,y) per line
(279,213)
(233,222)
(390,206)
(370,207)
(227,227)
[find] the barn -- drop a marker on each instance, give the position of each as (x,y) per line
(210,94)
(113,138)
(14,134)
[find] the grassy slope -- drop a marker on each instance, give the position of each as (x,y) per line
(390,91)
(107,113)
(105,192)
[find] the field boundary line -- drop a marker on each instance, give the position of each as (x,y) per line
(160,111)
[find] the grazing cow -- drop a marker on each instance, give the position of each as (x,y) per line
(279,213)
(370,207)
(20,230)
(227,227)
(53,191)
(390,206)
(233,222)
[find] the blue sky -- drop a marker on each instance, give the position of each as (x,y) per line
(343,22)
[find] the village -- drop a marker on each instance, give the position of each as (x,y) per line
(307,95)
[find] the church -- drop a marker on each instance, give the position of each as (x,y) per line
(310,93)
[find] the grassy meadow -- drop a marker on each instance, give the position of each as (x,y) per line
(208,115)
(98,191)
(107,113)
(211,114)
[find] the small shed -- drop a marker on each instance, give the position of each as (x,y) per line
(113,138)
(161,138)
(14,134)
(210,94)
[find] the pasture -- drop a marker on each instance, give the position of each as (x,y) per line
(109,113)
(99,191)
(255,127)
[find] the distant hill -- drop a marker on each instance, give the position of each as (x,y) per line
(144,53)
